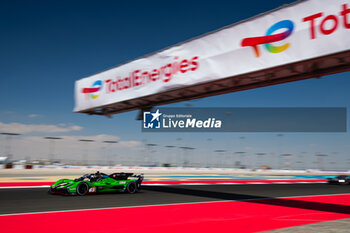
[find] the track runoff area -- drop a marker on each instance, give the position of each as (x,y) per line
(178,206)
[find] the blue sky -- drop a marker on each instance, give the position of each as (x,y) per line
(47,45)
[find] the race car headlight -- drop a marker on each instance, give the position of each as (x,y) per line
(63,184)
(341,181)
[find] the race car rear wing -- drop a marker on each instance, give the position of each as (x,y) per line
(125,176)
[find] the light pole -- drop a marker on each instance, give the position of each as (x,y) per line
(149,146)
(302,160)
(333,165)
(220,152)
(85,150)
(258,160)
(241,161)
(209,152)
(228,145)
(279,149)
(185,150)
(320,160)
(52,147)
(271,158)
(243,149)
(179,140)
(287,160)
(170,155)
(334,157)
(8,148)
(110,143)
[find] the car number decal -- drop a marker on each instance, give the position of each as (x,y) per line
(92,190)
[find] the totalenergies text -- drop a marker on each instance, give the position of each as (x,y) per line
(140,77)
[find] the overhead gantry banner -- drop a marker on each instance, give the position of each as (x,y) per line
(257,52)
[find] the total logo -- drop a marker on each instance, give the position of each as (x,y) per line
(270,38)
(93,91)
(319,25)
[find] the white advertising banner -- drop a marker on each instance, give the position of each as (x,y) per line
(297,32)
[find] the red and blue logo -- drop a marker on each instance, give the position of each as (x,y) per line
(93,90)
(270,38)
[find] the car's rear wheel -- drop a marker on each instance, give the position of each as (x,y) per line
(131,188)
(82,189)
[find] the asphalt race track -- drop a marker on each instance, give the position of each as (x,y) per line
(25,200)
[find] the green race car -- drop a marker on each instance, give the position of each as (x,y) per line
(97,183)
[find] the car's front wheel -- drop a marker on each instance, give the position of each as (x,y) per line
(82,189)
(131,188)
